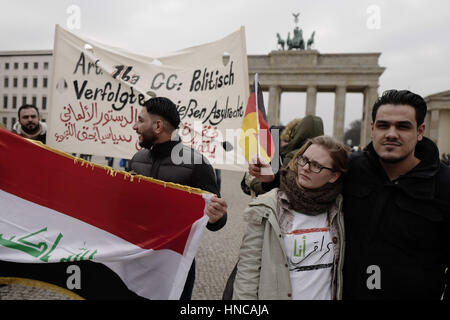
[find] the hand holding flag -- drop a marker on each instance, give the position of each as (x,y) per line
(261,170)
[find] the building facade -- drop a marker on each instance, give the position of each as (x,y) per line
(437,121)
(24,79)
(312,72)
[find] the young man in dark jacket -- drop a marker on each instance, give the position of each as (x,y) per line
(396,208)
(164,157)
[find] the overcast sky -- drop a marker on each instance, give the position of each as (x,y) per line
(412,35)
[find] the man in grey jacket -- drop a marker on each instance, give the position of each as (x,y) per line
(164,157)
(30,125)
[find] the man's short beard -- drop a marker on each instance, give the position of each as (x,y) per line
(26,130)
(148,142)
(393,160)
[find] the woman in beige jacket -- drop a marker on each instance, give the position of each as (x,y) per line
(293,246)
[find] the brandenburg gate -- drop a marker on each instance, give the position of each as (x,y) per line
(313,72)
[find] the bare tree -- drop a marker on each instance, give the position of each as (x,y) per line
(353,134)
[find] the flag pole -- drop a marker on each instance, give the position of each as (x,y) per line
(257,116)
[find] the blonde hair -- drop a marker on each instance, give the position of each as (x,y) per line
(338,151)
(286,134)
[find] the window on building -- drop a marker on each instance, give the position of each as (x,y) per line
(5,102)
(6,66)
(25,65)
(44,103)
(33,100)
(6,82)
(5,121)
(16,65)
(24,100)
(13,121)
(44,120)
(45,65)
(25,82)
(45,82)
(14,102)
(35,82)
(36,65)
(15,82)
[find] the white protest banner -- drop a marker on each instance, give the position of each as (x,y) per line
(98,91)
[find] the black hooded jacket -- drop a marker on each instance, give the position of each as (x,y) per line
(187,167)
(397,232)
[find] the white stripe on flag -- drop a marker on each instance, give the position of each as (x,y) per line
(159,274)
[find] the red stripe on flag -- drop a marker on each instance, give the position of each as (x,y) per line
(146,214)
(251,104)
(265,137)
(267,144)
(302,231)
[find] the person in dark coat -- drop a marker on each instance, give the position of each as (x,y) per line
(166,158)
(397,208)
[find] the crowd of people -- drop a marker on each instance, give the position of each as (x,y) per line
(330,222)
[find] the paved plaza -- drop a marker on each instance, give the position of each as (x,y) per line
(218,251)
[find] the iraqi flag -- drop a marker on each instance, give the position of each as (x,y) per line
(90,232)
(255,129)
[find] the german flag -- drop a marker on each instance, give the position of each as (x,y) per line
(253,127)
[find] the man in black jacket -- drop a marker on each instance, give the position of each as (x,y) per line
(164,157)
(396,208)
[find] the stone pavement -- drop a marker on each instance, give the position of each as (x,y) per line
(218,251)
(215,259)
(22,292)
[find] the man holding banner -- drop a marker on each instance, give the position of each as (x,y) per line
(164,157)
